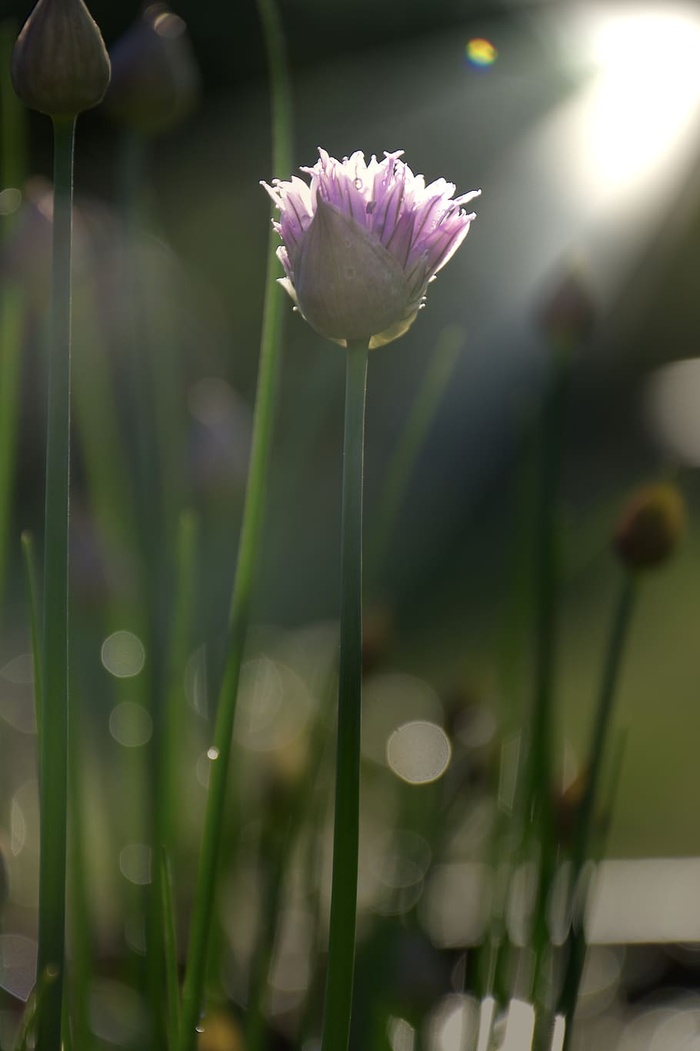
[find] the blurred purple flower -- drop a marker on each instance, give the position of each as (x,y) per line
(362,242)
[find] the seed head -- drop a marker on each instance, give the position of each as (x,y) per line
(59,63)
(651,526)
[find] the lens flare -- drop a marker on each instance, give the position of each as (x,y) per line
(481,53)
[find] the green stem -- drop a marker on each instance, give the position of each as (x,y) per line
(596,753)
(341,944)
(32,578)
(265,403)
(54,750)
(548,576)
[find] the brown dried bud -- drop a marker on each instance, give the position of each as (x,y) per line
(155,79)
(651,526)
(60,65)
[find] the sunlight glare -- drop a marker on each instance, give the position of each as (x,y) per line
(648,90)
(672,407)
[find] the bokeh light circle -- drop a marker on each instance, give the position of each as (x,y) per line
(123,654)
(419,752)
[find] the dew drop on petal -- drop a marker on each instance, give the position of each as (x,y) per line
(358,184)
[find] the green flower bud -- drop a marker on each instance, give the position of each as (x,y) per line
(59,63)
(155,80)
(651,527)
(347,284)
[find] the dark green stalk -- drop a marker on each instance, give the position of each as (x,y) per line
(32,576)
(265,403)
(33,1013)
(12,171)
(547,584)
(80,918)
(167,910)
(596,754)
(183,605)
(13,118)
(11,330)
(341,944)
(54,750)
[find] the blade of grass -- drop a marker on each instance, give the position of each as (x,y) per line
(183,600)
(265,404)
(32,578)
(11,331)
(13,118)
(13,166)
(619,630)
(33,1012)
(167,908)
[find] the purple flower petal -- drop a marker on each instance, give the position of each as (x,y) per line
(416,226)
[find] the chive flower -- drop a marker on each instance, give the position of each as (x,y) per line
(362,241)
(59,63)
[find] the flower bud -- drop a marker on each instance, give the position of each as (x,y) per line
(348,285)
(59,63)
(361,243)
(651,526)
(155,80)
(567,317)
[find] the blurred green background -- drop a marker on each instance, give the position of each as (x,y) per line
(582,131)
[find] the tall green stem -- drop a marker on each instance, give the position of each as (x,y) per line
(54,751)
(341,945)
(596,752)
(265,402)
(547,583)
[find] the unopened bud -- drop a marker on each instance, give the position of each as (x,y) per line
(651,526)
(567,316)
(60,65)
(155,80)
(348,285)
